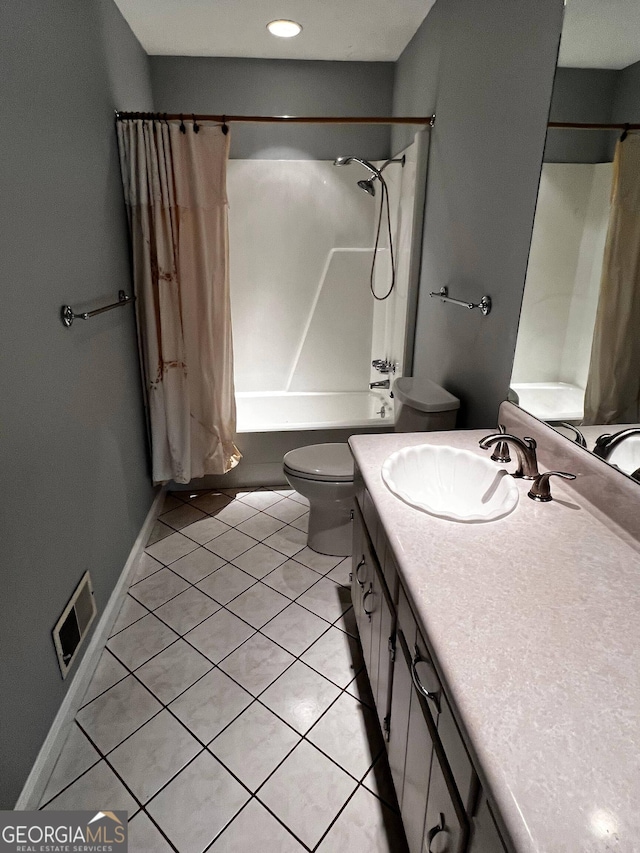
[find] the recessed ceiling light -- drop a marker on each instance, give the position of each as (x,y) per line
(284,29)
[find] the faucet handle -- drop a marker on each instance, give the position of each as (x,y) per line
(383,365)
(540,490)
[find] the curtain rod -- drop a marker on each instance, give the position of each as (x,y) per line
(567,125)
(225,119)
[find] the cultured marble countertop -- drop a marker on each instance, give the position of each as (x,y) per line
(534,621)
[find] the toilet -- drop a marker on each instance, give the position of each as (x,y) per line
(323,473)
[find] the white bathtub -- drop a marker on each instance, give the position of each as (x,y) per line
(551,401)
(283,411)
(271,424)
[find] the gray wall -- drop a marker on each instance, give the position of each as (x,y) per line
(282,87)
(486,70)
(73,450)
(581,95)
(626,105)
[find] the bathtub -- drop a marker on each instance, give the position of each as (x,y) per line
(283,410)
(551,401)
(272,423)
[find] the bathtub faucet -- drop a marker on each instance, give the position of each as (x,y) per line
(385,383)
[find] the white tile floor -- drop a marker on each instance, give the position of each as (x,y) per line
(230,711)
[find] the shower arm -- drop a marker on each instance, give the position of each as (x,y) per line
(401,160)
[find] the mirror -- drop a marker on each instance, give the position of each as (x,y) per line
(577,359)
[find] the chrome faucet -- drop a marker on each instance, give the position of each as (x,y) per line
(525,451)
(385,383)
(606,443)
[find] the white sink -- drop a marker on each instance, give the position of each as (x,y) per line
(626,455)
(450,483)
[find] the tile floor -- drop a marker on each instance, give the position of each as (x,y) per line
(230,711)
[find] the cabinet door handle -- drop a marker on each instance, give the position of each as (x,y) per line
(433,695)
(364,601)
(363,562)
(435,830)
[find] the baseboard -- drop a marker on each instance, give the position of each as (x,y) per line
(45,762)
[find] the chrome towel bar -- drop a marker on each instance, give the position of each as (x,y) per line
(67,315)
(484,305)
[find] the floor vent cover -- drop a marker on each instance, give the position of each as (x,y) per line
(72,627)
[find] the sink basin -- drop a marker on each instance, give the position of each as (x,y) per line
(450,483)
(626,455)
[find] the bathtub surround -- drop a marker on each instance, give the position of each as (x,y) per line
(394,318)
(486,70)
(74,460)
(563,275)
(174,180)
(300,302)
(282,87)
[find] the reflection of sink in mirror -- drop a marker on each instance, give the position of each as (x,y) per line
(626,455)
(454,484)
(550,401)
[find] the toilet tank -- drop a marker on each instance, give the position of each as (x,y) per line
(423,406)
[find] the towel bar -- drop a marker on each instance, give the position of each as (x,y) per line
(67,314)
(484,305)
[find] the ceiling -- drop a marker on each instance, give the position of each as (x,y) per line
(596,33)
(600,34)
(371,30)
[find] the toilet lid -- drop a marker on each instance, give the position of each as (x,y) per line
(332,462)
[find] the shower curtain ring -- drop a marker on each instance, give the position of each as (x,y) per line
(196,126)
(625,133)
(225,127)
(183,129)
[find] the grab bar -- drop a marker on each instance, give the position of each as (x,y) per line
(484,305)
(67,314)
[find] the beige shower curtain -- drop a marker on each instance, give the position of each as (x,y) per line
(175,192)
(612,395)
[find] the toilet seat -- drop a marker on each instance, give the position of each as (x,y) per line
(322,462)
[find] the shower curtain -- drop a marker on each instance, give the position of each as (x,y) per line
(612,395)
(174,178)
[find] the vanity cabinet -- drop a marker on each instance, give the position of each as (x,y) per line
(443,807)
(375,618)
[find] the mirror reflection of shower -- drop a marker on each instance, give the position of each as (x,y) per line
(368,185)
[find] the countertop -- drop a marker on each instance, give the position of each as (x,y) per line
(534,621)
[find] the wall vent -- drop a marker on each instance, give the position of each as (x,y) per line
(72,627)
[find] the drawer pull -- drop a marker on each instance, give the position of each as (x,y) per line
(434,696)
(435,830)
(364,602)
(363,562)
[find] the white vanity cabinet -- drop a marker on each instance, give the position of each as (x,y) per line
(441,802)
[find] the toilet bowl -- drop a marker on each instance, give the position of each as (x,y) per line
(323,473)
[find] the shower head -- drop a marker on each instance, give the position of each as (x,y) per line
(368,186)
